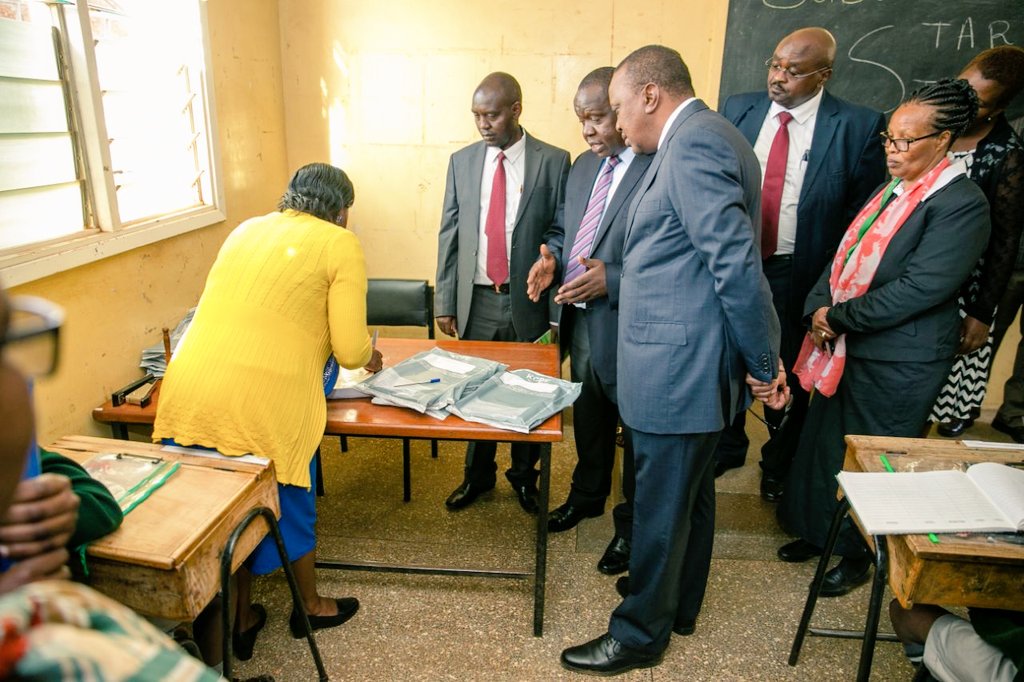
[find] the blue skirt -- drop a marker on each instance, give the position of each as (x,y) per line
(297,523)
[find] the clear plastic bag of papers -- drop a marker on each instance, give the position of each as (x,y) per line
(517,401)
(430,381)
(130,478)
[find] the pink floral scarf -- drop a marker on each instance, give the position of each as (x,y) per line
(854,267)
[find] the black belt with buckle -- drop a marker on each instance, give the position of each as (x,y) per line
(496,288)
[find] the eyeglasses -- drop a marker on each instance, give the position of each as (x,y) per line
(774,66)
(33,332)
(902,144)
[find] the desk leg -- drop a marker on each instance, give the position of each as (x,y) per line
(540,571)
(867,649)
(226,560)
(819,578)
(406,476)
(119,431)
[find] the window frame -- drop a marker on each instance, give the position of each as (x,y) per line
(108,235)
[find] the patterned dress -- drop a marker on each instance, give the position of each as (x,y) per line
(997,166)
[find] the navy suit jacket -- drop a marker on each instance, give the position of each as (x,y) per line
(602,313)
(695,310)
(540,208)
(845,165)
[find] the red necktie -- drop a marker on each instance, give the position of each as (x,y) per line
(494,228)
(771,190)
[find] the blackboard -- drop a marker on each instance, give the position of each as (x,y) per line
(886,48)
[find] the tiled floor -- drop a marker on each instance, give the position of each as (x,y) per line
(454,628)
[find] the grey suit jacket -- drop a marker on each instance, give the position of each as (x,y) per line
(695,310)
(540,207)
(909,313)
(602,313)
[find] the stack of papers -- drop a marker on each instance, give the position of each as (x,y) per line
(431,381)
(153,360)
(518,400)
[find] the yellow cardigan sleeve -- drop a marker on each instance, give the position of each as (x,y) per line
(346,304)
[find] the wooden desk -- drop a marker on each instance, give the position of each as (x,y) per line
(362,418)
(164,560)
(957,571)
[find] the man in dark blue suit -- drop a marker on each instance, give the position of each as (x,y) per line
(812,190)
(587,258)
(695,322)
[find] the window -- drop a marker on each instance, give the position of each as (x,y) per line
(106,130)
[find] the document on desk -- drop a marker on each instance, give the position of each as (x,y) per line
(518,400)
(988,497)
(130,478)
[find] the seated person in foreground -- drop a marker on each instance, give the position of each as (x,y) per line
(988,648)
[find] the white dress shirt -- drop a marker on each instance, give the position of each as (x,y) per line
(515,171)
(801,132)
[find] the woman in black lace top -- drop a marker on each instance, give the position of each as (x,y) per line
(995,159)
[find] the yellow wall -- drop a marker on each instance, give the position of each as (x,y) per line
(117,306)
(382,90)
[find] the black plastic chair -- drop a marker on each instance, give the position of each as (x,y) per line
(400,303)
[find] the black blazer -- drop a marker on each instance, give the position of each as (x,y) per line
(909,313)
(846,163)
(603,313)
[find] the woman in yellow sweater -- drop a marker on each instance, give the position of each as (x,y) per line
(287,290)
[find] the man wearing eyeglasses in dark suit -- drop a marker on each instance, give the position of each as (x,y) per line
(820,160)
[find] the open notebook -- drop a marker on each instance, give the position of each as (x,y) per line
(989,497)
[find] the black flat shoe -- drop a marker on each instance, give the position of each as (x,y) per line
(347,607)
(771,488)
(465,494)
(242,643)
(615,559)
(954,428)
(1014,431)
(569,515)
(527,495)
(605,656)
(683,626)
(848,574)
(798,551)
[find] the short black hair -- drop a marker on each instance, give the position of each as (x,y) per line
(955,103)
(660,65)
(601,76)
(1004,65)
(320,190)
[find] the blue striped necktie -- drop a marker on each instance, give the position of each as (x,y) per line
(591,221)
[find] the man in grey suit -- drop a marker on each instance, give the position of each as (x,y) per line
(502,200)
(695,318)
(831,162)
(588,258)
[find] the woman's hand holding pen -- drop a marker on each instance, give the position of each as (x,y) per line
(820,331)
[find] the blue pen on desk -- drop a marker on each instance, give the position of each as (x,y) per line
(435,380)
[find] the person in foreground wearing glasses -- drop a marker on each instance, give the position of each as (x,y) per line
(883,317)
(286,291)
(820,161)
(52,629)
(995,160)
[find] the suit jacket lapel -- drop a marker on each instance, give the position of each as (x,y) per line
(531,170)
(652,170)
(476,169)
(572,227)
(753,118)
(825,125)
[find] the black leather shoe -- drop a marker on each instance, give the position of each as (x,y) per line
(615,559)
(722,467)
(527,495)
(798,551)
(347,607)
(242,643)
(848,574)
(954,428)
(569,515)
(605,656)
(771,488)
(1014,431)
(464,495)
(682,626)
